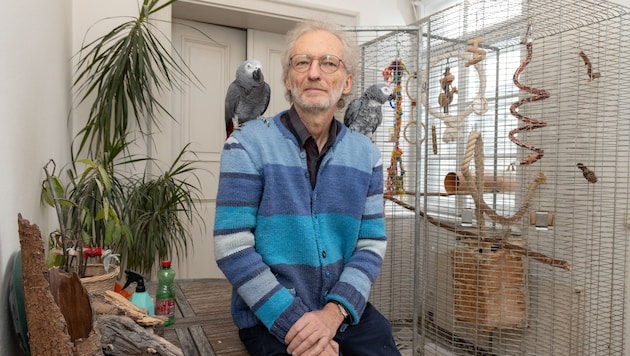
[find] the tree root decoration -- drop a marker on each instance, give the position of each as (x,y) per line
(499,242)
(538,94)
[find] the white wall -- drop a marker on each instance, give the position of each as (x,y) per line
(376,12)
(34,85)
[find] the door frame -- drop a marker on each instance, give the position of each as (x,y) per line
(277,16)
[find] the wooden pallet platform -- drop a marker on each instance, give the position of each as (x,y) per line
(203,325)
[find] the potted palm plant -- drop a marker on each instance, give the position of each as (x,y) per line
(113,198)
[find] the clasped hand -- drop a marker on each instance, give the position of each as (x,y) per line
(313,333)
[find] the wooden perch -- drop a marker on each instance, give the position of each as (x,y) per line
(503,243)
(430,219)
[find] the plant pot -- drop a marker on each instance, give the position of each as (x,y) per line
(99,281)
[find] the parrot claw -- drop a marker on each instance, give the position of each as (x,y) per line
(235,123)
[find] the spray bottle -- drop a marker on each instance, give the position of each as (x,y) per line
(140,298)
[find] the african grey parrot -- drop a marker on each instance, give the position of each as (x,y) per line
(364,113)
(247,97)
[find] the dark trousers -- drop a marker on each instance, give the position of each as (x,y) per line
(372,336)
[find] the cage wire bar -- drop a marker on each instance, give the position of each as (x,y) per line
(507,206)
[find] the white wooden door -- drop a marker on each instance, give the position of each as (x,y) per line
(200,115)
(268,48)
(199,111)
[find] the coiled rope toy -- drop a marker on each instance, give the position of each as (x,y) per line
(538,94)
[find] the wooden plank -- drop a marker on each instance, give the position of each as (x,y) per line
(201,340)
(182,302)
(186,342)
(203,322)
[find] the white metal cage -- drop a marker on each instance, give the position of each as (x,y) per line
(507,209)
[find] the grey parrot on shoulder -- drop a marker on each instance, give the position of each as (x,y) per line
(247,97)
(364,113)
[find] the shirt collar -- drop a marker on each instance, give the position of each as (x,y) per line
(296,126)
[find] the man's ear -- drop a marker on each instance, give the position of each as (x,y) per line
(348,85)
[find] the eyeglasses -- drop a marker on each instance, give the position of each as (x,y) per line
(327,64)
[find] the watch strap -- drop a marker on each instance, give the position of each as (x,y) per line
(347,318)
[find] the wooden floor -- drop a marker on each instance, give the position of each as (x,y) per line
(203,324)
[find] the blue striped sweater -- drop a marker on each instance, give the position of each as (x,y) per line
(288,248)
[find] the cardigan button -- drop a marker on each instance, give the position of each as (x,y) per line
(323,254)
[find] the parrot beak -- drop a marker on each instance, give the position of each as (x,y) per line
(258,76)
(391,96)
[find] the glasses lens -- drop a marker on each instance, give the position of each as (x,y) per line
(329,63)
(301,62)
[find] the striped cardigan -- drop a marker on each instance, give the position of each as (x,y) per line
(287,248)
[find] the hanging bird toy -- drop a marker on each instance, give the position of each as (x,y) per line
(396,171)
(588,174)
(589,66)
(446,97)
(538,94)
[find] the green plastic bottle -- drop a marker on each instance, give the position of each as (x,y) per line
(165,294)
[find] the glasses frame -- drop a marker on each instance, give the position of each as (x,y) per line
(320,60)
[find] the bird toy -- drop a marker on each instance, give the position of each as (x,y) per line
(396,171)
(589,66)
(538,94)
(478,54)
(588,174)
(446,83)
(413,122)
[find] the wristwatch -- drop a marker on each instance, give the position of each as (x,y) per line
(347,318)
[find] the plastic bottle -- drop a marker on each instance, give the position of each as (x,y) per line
(140,298)
(165,294)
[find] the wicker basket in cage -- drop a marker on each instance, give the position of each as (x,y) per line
(489,287)
(99,281)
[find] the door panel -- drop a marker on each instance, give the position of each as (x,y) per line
(199,110)
(268,48)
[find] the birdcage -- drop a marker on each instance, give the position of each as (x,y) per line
(507,177)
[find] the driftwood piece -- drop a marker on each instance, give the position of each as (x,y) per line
(129,309)
(122,336)
(47,328)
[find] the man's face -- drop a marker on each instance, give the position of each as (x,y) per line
(315,90)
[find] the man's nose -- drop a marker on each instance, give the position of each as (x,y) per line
(314,71)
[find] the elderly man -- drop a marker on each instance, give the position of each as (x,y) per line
(299,229)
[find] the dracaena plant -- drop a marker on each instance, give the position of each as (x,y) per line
(121,76)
